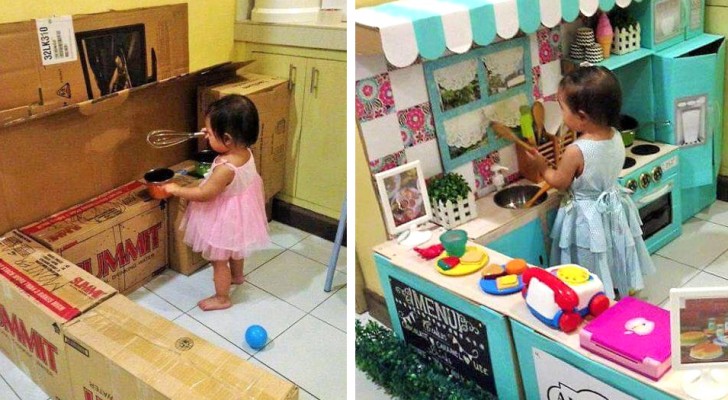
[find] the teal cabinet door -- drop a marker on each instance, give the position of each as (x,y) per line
(526,242)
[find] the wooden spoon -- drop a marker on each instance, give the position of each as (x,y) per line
(538,194)
(508,134)
(539,116)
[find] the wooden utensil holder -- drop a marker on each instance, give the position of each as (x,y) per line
(552,150)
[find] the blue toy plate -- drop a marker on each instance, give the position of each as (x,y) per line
(488,286)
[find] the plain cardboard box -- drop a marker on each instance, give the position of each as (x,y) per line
(122,351)
(120,236)
(41,293)
(271,97)
(181,257)
(154,42)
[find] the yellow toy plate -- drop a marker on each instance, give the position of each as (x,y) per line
(463,269)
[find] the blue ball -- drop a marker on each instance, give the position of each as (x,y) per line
(256,336)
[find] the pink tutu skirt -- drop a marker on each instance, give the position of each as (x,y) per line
(233,225)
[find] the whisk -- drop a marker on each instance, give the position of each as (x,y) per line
(163,138)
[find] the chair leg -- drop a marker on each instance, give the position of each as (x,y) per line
(337,247)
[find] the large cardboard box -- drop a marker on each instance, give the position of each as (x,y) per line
(271,97)
(120,236)
(181,257)
(40,293)
(115,50)
(122,351)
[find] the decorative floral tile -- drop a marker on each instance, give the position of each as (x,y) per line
(388,162)
(483,174)
(416,124)
(549,44)
(536,73)
(374,97)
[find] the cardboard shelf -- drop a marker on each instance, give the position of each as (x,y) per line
(617,61)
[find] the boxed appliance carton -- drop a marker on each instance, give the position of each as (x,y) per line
(57,61)
(120,236)
(120,350)
(271,97)
(181,257)
(40,293)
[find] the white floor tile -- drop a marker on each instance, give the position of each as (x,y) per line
(333,310)
(295,279)
(302,394)
(183,291)
(206,333)
(320,250)
(319,364)
(705,279)
(368,390)
(284,235)
(670,274)
(261,257)
(6,392)
(147,299)
(251,306)
(700,243)
(716,213)
(21,384)
(719,266)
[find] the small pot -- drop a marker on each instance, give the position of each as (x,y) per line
(155,178)
(204,161)
(627,126)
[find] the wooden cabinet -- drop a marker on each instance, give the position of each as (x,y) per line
(315,176)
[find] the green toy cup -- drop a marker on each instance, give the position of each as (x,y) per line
(454,242)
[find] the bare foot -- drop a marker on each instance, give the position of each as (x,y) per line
(238,281)
(214,303)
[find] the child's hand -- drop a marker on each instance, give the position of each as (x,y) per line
(537,160)
(171,188)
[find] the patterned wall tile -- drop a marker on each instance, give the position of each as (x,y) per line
(374,98)
(428,154)
(388,162)
(408,86)
(483,174)
(416,124)
(549,44)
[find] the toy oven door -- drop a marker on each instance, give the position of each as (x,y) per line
(658,210)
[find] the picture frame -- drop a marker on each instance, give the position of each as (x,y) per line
(698,318)
(469,90)
(403,197)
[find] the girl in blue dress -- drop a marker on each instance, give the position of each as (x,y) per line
(597,225)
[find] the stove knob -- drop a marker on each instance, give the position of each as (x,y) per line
(657,173)
(645,179)
(632,185)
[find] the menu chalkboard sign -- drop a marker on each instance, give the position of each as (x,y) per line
(455,339)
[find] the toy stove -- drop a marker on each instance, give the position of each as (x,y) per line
(650,171)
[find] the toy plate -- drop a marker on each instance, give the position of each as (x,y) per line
(463,269)
(489,286)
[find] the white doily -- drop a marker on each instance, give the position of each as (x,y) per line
(506,63)
(508,111)
(467,129)
(457,76)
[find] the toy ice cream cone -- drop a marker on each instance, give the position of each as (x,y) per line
(605,34)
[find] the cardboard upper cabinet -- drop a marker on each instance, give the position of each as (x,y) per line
(113,50)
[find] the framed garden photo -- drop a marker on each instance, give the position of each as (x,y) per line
(403,197)
(471,90)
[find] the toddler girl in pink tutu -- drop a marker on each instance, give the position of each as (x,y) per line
(225,220)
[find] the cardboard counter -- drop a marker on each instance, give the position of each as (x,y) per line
(120,236)
(181,257)
(524,356)
(40,293)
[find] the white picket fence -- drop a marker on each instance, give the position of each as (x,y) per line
(449,215)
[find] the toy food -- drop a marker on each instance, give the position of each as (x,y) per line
(505,282)
(706,351)
(492,271)
(691,338)
(428,253)
(473,255)
(516,266)
(448,263)
(605,34)
(561,299)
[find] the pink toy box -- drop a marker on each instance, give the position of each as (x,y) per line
(631,333)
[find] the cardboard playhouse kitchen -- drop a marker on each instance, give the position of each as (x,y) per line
(431,77)
(80,95)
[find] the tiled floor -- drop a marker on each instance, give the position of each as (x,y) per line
(698,258)
(283,293)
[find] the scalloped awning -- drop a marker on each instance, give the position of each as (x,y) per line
(430,28)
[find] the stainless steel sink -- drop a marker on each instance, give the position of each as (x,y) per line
(517,196)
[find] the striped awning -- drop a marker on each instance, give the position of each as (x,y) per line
(433,28)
